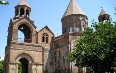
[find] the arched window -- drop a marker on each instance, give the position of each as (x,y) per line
(26,32)
(23,65)
(21,11)
(45,38)
(16,12)
(103,18)
(27,12)
(20,36)
(76,28)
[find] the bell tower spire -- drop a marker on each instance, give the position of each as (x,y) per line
(25,49)
(73,8)
(23,9)
(74,19)
(103,15)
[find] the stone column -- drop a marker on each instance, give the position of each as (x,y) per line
(15,35)
(84,69)
(39,69)
(18,12)
(29,67)
(34,69)
(33,37)
(16,67)
(29,13)
(12,68)
(25,11)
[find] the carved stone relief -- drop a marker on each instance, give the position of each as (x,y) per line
(12,69)
(34,70)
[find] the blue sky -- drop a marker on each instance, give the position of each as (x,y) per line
(50,12)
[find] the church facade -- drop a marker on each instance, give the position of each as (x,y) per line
(41,51)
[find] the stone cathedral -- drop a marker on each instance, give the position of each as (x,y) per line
(41,51)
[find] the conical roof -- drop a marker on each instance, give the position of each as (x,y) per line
(73,8)
(23,2)
(102,12)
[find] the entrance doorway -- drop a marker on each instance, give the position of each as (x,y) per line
(23,65)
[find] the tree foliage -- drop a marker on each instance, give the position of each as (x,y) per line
(96,48)
(1,66)
(4,2)
(19,68)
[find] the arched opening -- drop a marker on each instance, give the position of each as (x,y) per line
(26,32)
(76,28)
(23,65)
(45,38)
(20,36)
(103,18)
(16,12)
(22,12)
(27,13)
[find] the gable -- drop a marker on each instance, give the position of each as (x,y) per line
(46,30)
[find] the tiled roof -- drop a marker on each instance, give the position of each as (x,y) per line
(73,8)
(102,12)
(23,2)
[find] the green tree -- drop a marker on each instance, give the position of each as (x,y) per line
(1,66)
(4,2)
(96,48)
(20,68)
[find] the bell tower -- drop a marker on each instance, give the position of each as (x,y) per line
(22,9)
(21,20)
(28,52)
(74,19)
(103,15)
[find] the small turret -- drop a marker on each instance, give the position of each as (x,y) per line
(103,15)
(74,19)
(22,9)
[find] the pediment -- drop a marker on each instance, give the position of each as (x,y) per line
(47,28)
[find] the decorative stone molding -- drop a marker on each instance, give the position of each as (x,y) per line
(26,55)
(12,68)
(26,46)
